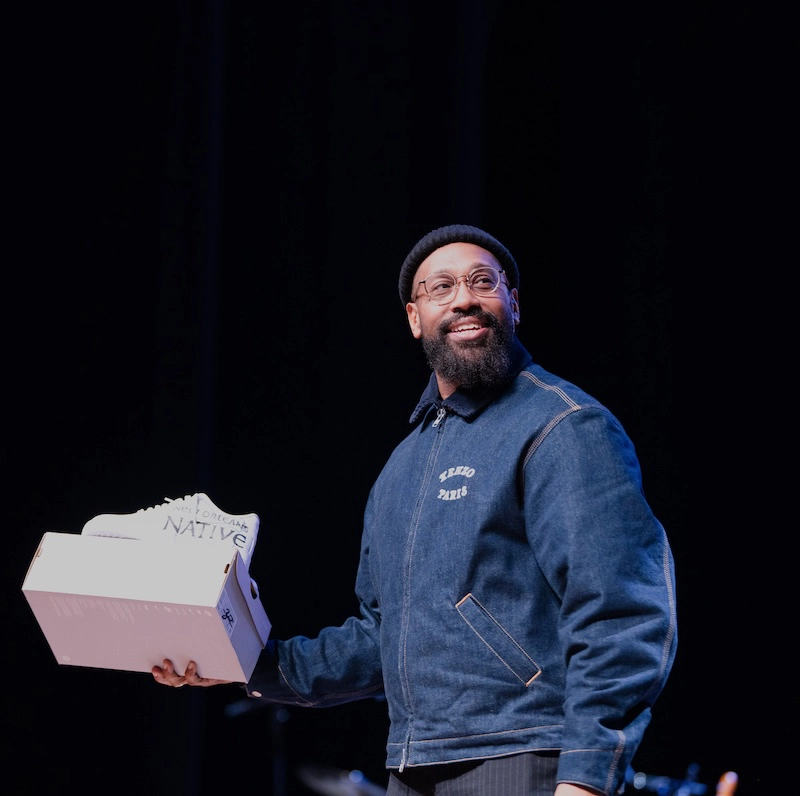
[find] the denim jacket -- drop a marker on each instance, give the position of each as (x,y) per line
(516,591)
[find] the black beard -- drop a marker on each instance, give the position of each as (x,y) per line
(475,364)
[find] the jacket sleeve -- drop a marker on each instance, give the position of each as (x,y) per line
(341,664)
(608,560)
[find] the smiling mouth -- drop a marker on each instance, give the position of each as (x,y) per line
(473,327)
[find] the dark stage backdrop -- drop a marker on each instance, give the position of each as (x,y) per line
(210,203)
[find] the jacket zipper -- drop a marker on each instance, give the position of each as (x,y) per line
(440,413)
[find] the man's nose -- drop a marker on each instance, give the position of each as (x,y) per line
(464,296)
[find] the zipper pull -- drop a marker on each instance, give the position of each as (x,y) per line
(439,416)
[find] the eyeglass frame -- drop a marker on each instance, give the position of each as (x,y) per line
(467,281)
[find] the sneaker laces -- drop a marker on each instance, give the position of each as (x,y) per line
(168,502)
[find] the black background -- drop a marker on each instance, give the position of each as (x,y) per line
(208,205)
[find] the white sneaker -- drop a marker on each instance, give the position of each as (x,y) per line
(189,517)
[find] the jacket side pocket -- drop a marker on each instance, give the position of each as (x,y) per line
(498,640)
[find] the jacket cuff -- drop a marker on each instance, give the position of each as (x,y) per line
(600,770)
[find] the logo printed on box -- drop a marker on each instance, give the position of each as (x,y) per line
(227,614)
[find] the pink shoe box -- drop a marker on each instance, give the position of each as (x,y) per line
(127,604)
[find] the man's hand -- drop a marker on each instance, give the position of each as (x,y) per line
(166,675)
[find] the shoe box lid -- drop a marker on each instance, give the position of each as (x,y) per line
(127,604)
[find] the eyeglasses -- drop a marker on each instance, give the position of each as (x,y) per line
(442,288)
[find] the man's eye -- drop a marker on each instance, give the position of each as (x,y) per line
(439,286)
(483,279)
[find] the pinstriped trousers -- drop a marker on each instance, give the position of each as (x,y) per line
(525,774)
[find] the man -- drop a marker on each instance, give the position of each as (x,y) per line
(516,591)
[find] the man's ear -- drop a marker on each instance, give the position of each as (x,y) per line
(413,319)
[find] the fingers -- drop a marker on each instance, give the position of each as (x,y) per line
(166,675)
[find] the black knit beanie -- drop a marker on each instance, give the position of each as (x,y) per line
(455,233)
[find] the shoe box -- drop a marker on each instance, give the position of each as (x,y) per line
(128,604)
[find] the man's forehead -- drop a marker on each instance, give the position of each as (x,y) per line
(457,257)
